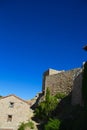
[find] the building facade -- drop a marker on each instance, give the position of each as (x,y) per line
(13,111)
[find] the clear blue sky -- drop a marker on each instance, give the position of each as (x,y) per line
(36,35)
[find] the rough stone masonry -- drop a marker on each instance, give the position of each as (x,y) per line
(59,81)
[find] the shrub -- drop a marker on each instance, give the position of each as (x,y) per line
(30,124)
(40,111)
(44,109)
(53,124)
(60,95)
(23,125)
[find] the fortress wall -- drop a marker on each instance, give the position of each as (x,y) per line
(49,72)
(76,91)
(60,82)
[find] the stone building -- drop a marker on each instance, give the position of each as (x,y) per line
(13,111)
(58,81)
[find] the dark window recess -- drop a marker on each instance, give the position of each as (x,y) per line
(9,118)
(11,104)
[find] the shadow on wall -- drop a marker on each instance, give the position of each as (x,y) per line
(64,107)
(66,113)
(38,99)
(77,90)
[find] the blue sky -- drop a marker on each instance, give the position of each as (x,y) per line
(36,35)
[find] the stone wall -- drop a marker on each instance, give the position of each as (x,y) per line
(48,73)
(59,82)
(77,90)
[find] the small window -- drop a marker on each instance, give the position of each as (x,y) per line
(11,104)
(9,118)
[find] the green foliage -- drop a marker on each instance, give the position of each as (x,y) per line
(47,97)
(53,124)
(40,111)
(44,109)
(23,125)
(60,95)
(30,124)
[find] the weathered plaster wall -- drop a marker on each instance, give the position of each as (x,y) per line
(20,112)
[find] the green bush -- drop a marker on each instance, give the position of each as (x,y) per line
(40,111)
(53,124)
(30,124)
(23,125)
(44,109)
(60,95)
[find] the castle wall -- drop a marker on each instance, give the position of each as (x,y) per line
(49,72)
(60,82)
(77,90)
